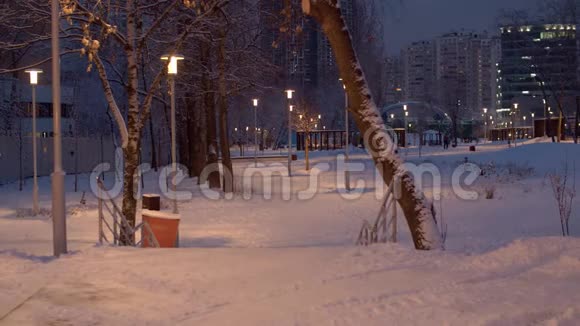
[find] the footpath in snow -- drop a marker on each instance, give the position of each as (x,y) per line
(277,262)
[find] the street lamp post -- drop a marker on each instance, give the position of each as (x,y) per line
(172,72)
(514,137)
(533,125)
(406,124)
(347,141)
(289,94)
(485,121)
(57,177)
(33,82)
(255,103)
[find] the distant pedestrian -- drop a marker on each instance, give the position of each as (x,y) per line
(446,142)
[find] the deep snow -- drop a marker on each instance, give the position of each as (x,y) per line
(277,262)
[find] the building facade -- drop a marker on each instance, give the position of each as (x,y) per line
(537,62)
(294,51)
(466,71)
(394,77)
(418,61)
(454,70)
(327,69)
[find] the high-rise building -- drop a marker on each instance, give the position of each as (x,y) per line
(394,88)
(419,71)
(327,69)
(294,51)
(466,70)
(455,69)
(535,55)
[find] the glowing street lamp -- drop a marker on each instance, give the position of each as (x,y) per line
(485,119)
(255,103)
(347,141)
(533,125)
(406,116)
(289,93)
(33,82)
(514,113)
(172,65)
(172,72)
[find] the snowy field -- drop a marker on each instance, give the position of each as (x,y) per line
(277,262)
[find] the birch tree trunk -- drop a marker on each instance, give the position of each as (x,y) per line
(131,151)
(418,213)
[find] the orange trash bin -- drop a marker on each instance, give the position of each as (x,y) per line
(165,227)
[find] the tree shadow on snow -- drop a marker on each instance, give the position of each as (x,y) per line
(205,242)
(26,256)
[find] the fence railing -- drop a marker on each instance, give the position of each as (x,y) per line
(384,229)
(116,225)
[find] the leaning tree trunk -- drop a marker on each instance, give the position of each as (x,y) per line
(223,114)
(420,216)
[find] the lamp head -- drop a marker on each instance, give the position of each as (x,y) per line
(289,93)
(173,59)
(33,75)
(255,101)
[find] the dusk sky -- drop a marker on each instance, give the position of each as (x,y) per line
(415,20)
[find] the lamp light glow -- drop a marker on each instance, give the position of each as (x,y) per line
(33,75)
(173,59)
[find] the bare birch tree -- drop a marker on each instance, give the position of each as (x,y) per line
(119,31)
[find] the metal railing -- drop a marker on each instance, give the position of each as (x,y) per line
(117,225)
(384,228)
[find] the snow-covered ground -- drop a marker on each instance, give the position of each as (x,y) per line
(278,262)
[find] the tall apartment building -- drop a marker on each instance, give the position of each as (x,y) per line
(295,53)
(394,88)
(327,69)
(534,54)
(419,71)
(466,70)
(453,69)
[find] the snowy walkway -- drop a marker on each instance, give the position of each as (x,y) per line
(276,262)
